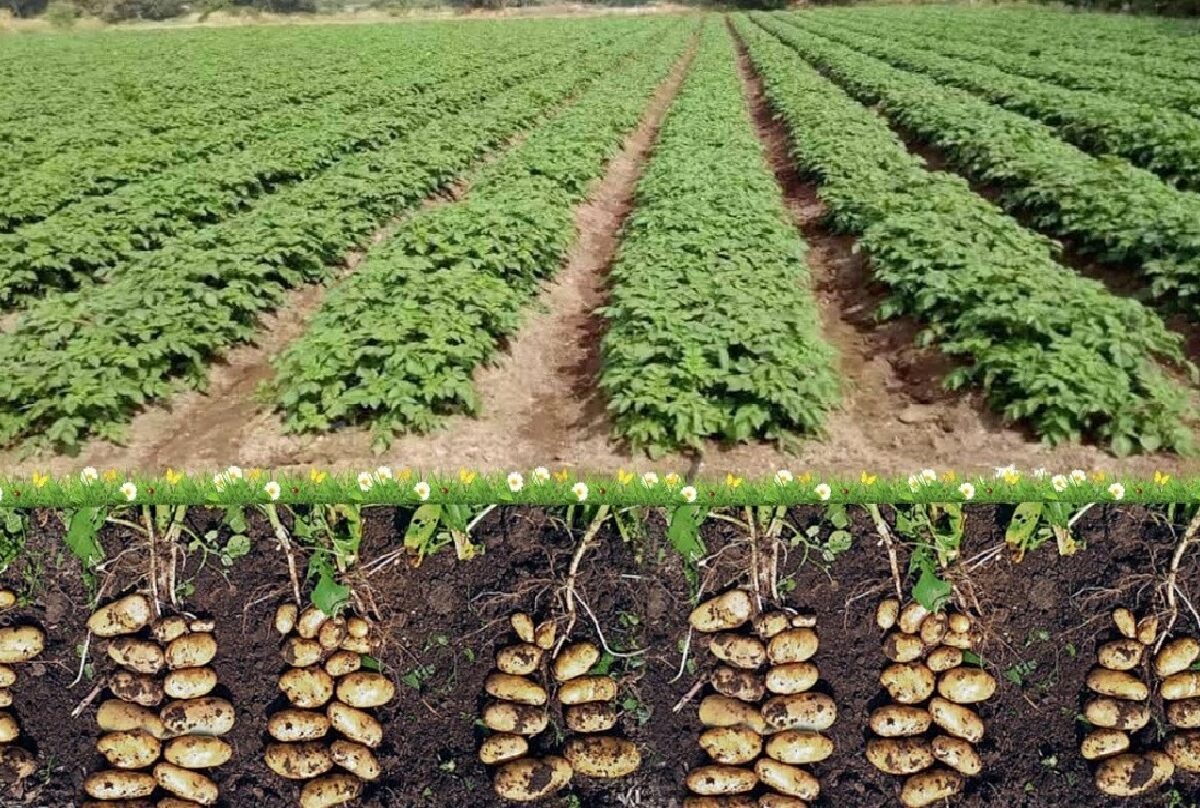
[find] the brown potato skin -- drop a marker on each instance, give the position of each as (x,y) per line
(602,756)
(330,790)
(576,660)
(530,779)
(298,761)
(1126,775)
(731,746)
(708,781)
(725,612)
(930,788)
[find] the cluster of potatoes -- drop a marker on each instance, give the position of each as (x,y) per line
(928,733)
(762,722)
(519,712)
(1121,706)
(326,689)
(18,644)
(162,727)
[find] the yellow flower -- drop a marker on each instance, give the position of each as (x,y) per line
(672,479)
(806,478)
(562,476)
(111,476)
(868,479)
(1099,476)
(317,476)
(172,476)
(731,481)
(254,474)
(466,477)
(40,480)
(404,475)
(1161,479)
(949,476)
(624,477)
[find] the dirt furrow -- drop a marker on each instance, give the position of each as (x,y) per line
(895,408)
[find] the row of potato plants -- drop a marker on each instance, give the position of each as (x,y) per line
(1101,58)
(398,342)
(54,171)
(72,93)
(1110,208)
(94,239)
(1163,140)
(82,363)
(712,329)
(1048,347)
(45,81)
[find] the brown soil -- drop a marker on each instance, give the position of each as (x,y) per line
(444,620)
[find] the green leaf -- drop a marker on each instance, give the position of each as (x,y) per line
(1021,528)
(421,530)
(83,536)
(931,591)
(684,535)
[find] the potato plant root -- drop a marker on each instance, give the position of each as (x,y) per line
(1042,621)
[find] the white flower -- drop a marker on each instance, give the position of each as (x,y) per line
(1079,476)
(1116,491)
(129,490)
(688,493)
(967,490)
(273,490)
(823,491)
(365,481)
(914,483)
(89,475)
(383,473)
(219,481)
(783,477)
(649,479)
(421,489)
(234,473)
(1040,474)
(1060,482)
(580,491)
(929,475)
(515,482)
(541,474)
(1005,471)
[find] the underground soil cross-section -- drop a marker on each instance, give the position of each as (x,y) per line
(421,677)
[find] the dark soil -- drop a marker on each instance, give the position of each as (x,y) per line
(443,620)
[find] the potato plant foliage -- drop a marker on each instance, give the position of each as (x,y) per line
(80,364)
(1154,67)
(400,340)
(988,291)
(1114,210)
(1161,139)
(104,236)
(712,329)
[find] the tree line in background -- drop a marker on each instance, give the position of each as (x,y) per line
(1170,8)
(64,12)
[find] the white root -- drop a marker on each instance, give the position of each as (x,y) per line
(885,536)
(569,594)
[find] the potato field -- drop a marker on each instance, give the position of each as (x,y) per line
(589,657)
(876,237)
